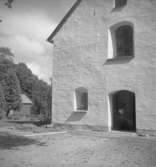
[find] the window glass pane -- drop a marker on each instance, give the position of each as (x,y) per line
(124,41)
(82,100)
(120,3)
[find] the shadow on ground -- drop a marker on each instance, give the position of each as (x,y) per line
(37,123)
(9,141)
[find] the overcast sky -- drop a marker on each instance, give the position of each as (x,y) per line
(26,27)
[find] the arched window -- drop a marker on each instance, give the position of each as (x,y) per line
(120,3)
(124,40)
(81,99)
(120,40)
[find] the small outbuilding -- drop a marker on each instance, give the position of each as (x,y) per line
(26,105)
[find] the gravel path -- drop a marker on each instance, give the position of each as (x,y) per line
(76,149)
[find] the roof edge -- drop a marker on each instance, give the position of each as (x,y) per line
(63,21)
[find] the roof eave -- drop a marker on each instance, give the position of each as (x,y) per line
(63,21)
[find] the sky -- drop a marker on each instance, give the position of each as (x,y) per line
(25,28)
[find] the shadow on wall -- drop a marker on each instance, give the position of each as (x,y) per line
(76,116)
(119,60)
(9,141)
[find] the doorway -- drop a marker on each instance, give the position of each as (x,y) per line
(123,111)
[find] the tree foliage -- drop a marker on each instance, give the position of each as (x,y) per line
(18,78)
(12,90)
(2,102)
(36,89)
(8,3)
(5,53)
(10,85)
(26,78)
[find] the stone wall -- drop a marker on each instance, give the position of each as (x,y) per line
(80,59)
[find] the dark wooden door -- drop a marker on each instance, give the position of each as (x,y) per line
(123,113)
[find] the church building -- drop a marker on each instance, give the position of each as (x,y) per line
(104,65)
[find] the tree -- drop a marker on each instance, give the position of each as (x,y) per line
(10,85)
(17,78)
(12,91)
(6,53)
(8,3)
(5,65)
(40,95)
(50,103)
(26,79)
(37,90)
(2,102)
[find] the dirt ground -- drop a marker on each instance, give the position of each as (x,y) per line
(76,149)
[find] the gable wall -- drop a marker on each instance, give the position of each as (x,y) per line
(80,60)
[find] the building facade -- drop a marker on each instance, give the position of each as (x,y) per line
(104,65)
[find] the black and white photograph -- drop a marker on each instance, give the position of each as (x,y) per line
(77,83)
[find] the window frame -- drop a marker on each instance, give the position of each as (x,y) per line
(119,6)
(112,49)
(76,107)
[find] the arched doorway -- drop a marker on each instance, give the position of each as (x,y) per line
(123,111)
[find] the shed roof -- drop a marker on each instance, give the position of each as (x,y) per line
(63,21)
(25,99)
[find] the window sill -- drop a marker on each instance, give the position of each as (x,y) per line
(120,58)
